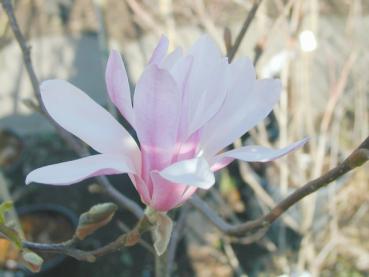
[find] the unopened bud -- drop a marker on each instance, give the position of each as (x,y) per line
(31,260)
(98,216)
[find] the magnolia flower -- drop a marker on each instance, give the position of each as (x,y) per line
(187,107)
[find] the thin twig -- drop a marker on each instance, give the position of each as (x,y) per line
(129,239)
(176,237)
(141,241)
(120,198)
(232,52)
(358,157)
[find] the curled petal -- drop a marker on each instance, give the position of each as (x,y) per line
(194,172)
(254,153)
(67,173)
(176,183)
(118,86)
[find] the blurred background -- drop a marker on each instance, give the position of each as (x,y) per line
(318,48)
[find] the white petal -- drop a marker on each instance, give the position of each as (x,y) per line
(181,70)
(248,102)
(204,88)
(205,49)
(255,153)
(160,51)
(172,59)
(80,115)
(118,86)
(67,173)
(194,172)
(209,101)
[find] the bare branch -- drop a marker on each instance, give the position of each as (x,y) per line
(176,237)
(120,198)
(233,50)
(358,157)
(129,239)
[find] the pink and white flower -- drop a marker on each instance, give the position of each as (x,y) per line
(186,109)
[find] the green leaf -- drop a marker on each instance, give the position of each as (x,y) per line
(4,207)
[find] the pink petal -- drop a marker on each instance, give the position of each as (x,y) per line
(67,173)
(187,194)
(160,51)
(166,195)
(188,148)
(157,109)
(254,153)
(248,102)
(141,188)
(176,183)
(193,172)
(80,115)
(118,86)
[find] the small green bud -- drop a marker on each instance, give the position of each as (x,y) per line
(31,260)
(11,235)
(4,207)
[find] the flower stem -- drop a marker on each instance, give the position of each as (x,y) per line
(161,266)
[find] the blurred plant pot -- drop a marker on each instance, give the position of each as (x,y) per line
(11,151)
(45,223)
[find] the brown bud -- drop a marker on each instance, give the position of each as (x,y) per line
(132,238)
(98,216)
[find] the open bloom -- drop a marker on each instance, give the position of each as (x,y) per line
(186,109)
